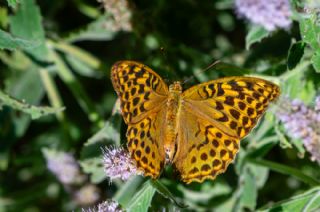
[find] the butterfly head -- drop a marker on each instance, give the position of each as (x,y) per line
(175,87)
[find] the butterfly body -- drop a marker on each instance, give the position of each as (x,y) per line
(197,130)
(172,111)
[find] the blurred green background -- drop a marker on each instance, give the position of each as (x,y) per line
(57,99)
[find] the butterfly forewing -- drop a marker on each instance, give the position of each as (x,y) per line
(215,116)
(234,104)
(142,96)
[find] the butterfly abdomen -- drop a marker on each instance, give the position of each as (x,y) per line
(173,111)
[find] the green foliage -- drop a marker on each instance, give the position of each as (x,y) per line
(307,201)
(13,3)
(35,112)
(56,95)
(26,23)
(95,31)
(141,201)
(161,189)
(316,60)
(128,190)
(295,54)
(7,41)
(255,34)
(310,30)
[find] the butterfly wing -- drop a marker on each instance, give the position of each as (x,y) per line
(142,95)
(217,114)
(204,151)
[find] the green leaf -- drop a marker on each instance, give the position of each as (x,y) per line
(229,205)
(94,167)
(262,129)
(91,155)
(298,144)
(27,24)
(4,18)
(4,159)
(7,41)
(296,85)
(307,201)
(260,174)
(310,33)
(261,148)
(75,86)
(82,68)
(295,54)
(284,143)
(88,10)
(127,190)
(96,31)
(255,34)
(316,60)
(34,111)
(10,60)
(310,30)
(249,191)
(78,53)
(108,134)
(286,170)
(13,3)
(208,192)
(166,193)
(19,86)
(142,200)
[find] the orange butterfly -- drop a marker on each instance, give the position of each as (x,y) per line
(197,130)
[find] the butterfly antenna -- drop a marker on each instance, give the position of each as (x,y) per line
(164,55)
(201,71)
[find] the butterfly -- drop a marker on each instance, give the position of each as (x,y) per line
(198,130)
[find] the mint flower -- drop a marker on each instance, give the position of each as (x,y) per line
(118,164)
(302,122)
(271,14)
(106,206)
(87,195)
(64,166)
(120,12)
(317,104)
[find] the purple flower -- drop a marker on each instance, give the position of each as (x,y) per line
(109,206)
(106,206)
(118,164)
(64,166)
(317,104)
(302,122)
(120,12)
(271,14)
(87,195)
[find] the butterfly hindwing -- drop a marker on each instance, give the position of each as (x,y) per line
(145,143)
(142,96)
(203,152)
